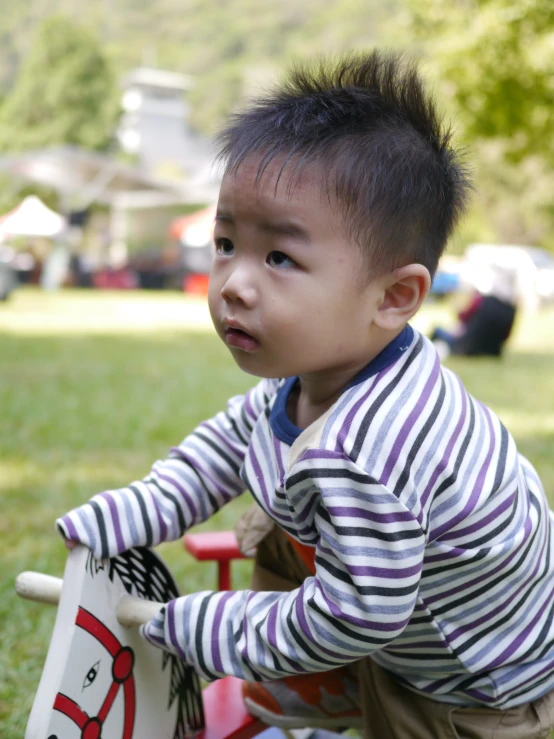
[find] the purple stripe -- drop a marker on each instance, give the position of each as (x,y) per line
(157,639)
(343,433)
(521,637)
(115,520)
(409,423)
(205,473)
(235,448)
(353,511)
(384,571)
(361,622)
(191,504)
(71,530)
(478,487)
(278,457)
(408,647)
(489,518)
(307,510)
(259,477)
(216,653)
(451,553)
(322,454)
(446,457)
(161,523)
(170,622)
(368,571)
(431,600)
(272,625)
(533,679)
(472,627)
(248,407)
(298,603)
(195,463)
(299,608)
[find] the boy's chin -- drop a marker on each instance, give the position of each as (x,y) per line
(253,365)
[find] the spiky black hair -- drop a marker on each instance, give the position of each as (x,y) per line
(367,124)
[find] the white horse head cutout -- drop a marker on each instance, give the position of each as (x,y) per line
(101,679)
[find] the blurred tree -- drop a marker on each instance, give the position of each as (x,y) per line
(64,93)
(496,61)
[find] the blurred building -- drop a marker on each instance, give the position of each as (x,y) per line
(155,126)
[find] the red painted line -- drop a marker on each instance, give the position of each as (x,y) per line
(96,628)
(129,721)
(112,692)
(69,708)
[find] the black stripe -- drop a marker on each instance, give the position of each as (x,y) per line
(237,636)
(304,644)
(366,589)
(489,585)
(423,434)
(492,534)
(504,618)
(207,440)
(426,656)
(453,477)
(431,571)
(172,498)
(391,386)
(144,513)
(502,457)
(101,529)
(534,684)
(198,635)
(368,533)
(238,432)
(422,620)
(334,472)
(353,634)
(278,666)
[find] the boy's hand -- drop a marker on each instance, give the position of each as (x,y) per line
(70,544)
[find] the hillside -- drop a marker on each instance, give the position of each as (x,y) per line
(230,48)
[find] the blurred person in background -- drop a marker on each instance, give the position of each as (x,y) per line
(486,323)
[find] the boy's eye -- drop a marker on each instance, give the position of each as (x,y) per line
(224,247)
(279,260)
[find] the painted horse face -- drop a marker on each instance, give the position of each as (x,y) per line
(102,680)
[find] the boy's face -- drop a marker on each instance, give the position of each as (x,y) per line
(288,291)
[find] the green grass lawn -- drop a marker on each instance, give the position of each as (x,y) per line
(94,387)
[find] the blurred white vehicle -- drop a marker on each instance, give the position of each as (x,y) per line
(531,268)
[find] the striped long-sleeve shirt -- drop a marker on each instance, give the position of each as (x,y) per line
(432,536)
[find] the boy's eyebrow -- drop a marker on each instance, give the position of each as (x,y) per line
(276,228)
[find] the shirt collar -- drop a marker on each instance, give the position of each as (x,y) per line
(281,425)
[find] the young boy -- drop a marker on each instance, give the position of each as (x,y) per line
(405,546)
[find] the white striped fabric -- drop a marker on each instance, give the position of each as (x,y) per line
(433,538)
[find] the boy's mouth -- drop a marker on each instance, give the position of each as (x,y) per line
(240,339)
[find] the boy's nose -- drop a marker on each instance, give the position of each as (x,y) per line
(239,288)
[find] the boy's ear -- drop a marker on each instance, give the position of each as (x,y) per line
(405,290)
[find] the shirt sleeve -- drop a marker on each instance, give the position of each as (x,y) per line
(199,476)
(369,559)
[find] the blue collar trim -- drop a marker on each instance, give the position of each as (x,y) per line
(281,425)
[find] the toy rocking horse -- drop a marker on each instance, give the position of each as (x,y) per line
(101,680)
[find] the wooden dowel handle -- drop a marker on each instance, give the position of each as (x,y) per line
(130,611)
(39,587)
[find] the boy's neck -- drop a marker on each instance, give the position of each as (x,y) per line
(315,394)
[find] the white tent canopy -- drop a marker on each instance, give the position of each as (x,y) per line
(32,218)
